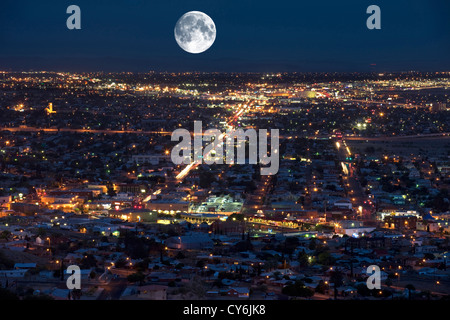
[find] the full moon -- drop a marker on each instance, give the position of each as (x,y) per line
(195,32)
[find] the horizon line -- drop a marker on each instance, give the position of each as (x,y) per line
(227,72)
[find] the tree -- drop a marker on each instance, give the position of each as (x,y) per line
(303,259)
(5,263)
(337,278)
(206,178)
(373,165)
(236,217)
(277,275)
(88,261)
(298,289)
(5,235)
(111,192)
(312,244)
(324,258)
(180,255)
(56,273)
(41,232)
(196,287)
(136,277)
(120,263)
(363,290)
(138,248)
(142,265)
(200,263)
(410,288)
(270,264)
(321,287)
(245,245)
(388,282)
(429,256)
(172,284)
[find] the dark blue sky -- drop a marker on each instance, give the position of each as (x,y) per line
(137,35)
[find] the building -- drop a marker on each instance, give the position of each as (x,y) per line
(14,274)
(198,218)
(64,202)
(148,292)
(148,159)
(393,212)
(197,241)
(169,206)
(239,292)
(223,205)
(5,202)
(357,231)
(404,222)
(438,106)
(343,204)
(23,207)
(367,243)
(133,188)
(135,215)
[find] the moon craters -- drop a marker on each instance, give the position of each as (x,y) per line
(195,32)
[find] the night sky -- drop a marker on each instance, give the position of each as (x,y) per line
(302,36)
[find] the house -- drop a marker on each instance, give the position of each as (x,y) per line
(148,292)
(59,294)
(227,282)
(355,232)
(213,293)
(239,292)
(24,266)
(198,241)
(343,204)
(72,258)
(427,271)
(162,276)
(19,273)
(153,292)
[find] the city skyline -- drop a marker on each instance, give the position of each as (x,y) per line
(88,182)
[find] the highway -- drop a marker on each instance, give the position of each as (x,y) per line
(168,133)
(57,130)
(185,172)
(389,138)
(351,183)
(388,103)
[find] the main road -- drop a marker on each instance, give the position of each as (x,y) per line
(80,130)
(389,103)
(385,138)
(351,183)
(185,172)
